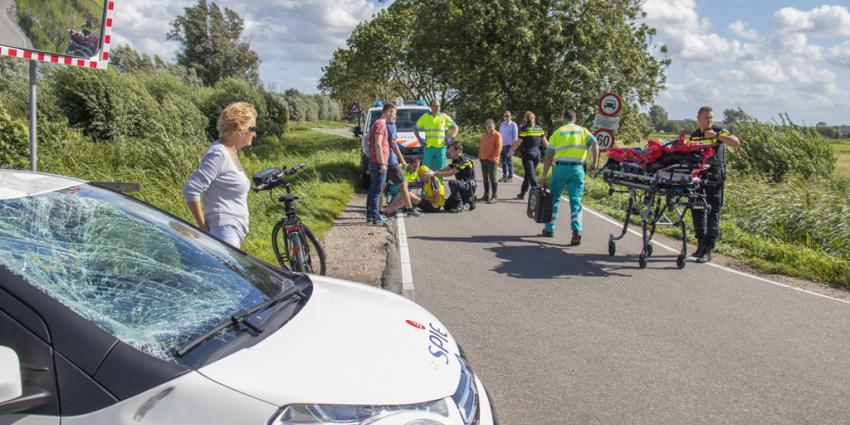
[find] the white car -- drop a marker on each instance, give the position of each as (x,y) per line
(114,312)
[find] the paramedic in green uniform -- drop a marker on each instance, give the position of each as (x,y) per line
(567,151)
(435,124)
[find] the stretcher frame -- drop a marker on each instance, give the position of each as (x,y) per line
(672,189)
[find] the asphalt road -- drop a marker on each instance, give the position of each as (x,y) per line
(10,34)
(564,335)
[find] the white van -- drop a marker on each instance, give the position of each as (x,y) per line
(406,117)
(114,312)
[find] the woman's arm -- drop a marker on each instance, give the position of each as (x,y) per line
(200,181)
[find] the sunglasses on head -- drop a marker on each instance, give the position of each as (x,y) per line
(252,129)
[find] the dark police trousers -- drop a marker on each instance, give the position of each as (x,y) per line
(706,229)
(462,192)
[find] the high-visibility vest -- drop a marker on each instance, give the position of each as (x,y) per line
(431,186)
(699,138)
(570,144)
(435,128)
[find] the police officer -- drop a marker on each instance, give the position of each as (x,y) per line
(567,151)
(532,139)
(463,187)
(707,228)
(435,124)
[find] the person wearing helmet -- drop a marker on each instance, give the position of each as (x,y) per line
(433,194)
(463,186)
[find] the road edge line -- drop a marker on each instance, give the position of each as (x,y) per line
(408,290)
(717,266)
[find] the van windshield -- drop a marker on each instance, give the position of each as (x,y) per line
(405,118)
(143,276)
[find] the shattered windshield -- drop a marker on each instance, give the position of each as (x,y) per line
(148,279)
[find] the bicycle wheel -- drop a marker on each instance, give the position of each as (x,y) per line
(297,248)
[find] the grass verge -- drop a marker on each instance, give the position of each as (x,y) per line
(162,164)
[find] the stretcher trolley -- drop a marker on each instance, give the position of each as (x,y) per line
(662,181)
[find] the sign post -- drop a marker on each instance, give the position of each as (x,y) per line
(607,121)
(85,47)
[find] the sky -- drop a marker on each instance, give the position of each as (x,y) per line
(766,57)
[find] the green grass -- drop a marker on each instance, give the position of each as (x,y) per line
(842,152)
(163,164)
(306,125)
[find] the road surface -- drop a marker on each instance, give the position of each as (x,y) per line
(564,335)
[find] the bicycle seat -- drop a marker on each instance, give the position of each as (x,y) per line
(290,197)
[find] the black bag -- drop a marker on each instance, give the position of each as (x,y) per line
(540,205)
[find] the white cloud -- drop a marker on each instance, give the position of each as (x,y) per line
(796,47)
(740,29)
(302,31)
(840,54)
(826,20)
(688,36)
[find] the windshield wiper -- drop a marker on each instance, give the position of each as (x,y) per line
(289,295)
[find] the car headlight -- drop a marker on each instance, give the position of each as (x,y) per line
(466,395)
(315,414)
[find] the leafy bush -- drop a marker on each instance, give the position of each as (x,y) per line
(107,105)
(774,151)
(14,141)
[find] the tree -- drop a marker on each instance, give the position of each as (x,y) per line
(733,117)
(549,55)
(659,118)
(209,44)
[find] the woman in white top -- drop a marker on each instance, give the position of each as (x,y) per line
(217,192)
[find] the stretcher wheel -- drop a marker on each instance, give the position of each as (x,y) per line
(649,250)
(642,261)
(680,261)
(612,248)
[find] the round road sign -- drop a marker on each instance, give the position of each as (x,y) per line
(605,138)
(610,104)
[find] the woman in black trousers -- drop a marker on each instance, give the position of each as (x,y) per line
(532,142)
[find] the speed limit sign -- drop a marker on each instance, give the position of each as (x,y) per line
(605,137)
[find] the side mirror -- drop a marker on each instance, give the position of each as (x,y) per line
(10,375)
(357,131)
(12,397)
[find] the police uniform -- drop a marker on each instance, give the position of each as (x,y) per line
(529,149)
(707,228)
(569,146)
(463,187)
(435,127)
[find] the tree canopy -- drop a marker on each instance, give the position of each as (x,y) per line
(484,56)
(209,44)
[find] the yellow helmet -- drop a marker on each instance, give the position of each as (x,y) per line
(422,171)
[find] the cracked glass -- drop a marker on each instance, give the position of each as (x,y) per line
(145,277)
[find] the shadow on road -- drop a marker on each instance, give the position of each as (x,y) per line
(532,258)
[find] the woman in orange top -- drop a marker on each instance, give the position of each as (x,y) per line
(488,153)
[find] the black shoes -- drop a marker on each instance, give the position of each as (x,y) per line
(576,240)
(698,253)
(705,257)
(521,195)
(547,234)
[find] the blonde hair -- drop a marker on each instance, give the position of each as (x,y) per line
(529,118)
(236,116)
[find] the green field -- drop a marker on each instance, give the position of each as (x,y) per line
(842,151)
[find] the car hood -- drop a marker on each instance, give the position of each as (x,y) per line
(350,344)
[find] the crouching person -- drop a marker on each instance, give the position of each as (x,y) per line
(463,187)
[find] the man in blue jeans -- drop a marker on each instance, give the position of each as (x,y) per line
(379,155)
(510,133)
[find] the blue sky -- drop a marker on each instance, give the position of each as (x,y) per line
(766,57)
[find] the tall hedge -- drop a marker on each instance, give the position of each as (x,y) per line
(14,141)
(776,151)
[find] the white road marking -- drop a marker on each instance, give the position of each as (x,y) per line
(717,266)
(407,288)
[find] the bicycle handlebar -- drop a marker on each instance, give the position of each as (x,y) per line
(271,178)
